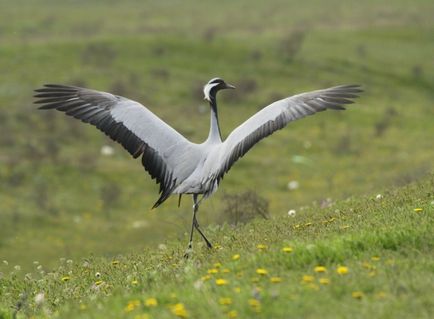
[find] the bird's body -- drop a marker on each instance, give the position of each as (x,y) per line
(178,165)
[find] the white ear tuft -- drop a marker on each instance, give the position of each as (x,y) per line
(207,90)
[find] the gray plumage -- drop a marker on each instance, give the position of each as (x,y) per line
(178,165)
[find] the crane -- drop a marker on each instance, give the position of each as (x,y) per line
(178,165)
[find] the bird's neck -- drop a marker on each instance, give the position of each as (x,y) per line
(214,130)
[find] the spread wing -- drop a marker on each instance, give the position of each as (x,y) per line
(277,115)
(131,124)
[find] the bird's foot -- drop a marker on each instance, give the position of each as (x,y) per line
(189,251)
(208,244)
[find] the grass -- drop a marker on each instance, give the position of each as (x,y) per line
(375,253)
(61,198)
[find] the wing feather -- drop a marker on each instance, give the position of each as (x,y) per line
(131,124)
(276,116)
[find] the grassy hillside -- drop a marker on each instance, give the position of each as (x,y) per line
(362,257)
(59,197)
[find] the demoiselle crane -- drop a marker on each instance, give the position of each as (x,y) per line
(178,165)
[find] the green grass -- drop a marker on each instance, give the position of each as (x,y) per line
(56,189)
(385,244)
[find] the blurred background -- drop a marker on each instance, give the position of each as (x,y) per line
(66,190)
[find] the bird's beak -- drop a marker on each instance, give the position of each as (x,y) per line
(229,86)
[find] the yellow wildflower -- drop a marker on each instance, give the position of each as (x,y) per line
(261,271)
(129,308)
(367,265)
(357,294)
(381,295)
(255,304)
(217,265)
(179,310)
(134,282)
(132,304)
(236,257)
(213,271)
(66,278)
(232,314)
(324,281)
(418,210)
(115,262)
(221,282)
(151,302)
(342,270)
(261,246)
(98,282)
(275,280)
(320,269)
(206,277)
(226,271)
(313,286)
(237,290)
(308,224)
(390,261)
(375,258)
(308,278)
(287,249)
(225,301)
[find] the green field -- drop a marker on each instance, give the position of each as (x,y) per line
(61,198)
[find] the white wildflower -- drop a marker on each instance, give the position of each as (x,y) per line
(378,197)
(291,213)
(292,185)
(107,150)
(139,224)
(39,298)
(198,284)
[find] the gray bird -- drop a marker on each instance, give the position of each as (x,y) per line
(178,165)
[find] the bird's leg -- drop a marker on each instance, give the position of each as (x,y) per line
(196,224)
(190,243)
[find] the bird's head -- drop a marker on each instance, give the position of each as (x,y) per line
(213,86)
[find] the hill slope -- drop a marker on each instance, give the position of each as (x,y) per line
(357,258)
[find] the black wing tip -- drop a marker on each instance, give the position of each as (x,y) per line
(50,90)
(353,88)
(49,87)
